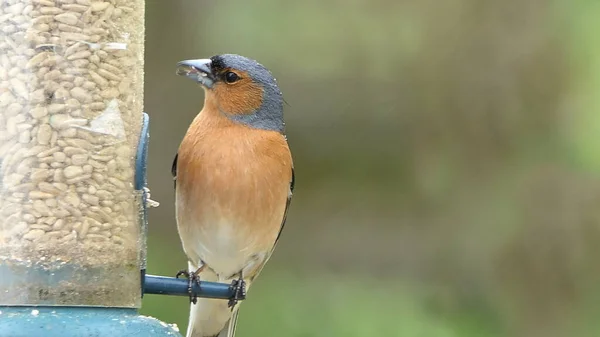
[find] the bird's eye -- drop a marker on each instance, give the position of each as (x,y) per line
(231,77)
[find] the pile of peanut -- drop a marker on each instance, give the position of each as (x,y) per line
(71,74)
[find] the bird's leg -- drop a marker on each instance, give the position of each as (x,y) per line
(183,272)
(192,277)
(239,291)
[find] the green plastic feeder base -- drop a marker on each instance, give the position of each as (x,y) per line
(79,322)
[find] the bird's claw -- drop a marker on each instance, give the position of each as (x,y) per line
(192,277)
(239,292)
(183,272)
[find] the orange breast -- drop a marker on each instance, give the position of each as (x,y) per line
(232,186)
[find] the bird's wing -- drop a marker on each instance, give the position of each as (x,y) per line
(287,207)
(174,171)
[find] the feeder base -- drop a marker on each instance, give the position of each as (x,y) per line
(48,321)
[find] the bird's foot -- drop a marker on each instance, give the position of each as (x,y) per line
(183,272)
(239,292)
(192,277)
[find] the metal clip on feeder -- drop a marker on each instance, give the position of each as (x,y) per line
(66,299)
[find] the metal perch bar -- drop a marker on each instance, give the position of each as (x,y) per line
(162,285)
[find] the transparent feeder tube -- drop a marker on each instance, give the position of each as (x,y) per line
(71,94)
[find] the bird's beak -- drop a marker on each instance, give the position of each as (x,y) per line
(197,70)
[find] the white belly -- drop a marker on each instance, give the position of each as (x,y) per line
(224,247)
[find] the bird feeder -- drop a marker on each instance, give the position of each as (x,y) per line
(73,197)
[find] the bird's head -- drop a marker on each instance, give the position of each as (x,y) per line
(242,89)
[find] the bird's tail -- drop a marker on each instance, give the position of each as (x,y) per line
(211,317)
(229,329)
(213,323)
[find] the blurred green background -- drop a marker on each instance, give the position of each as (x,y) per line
(447,162)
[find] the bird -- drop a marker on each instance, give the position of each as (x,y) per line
(234,180)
